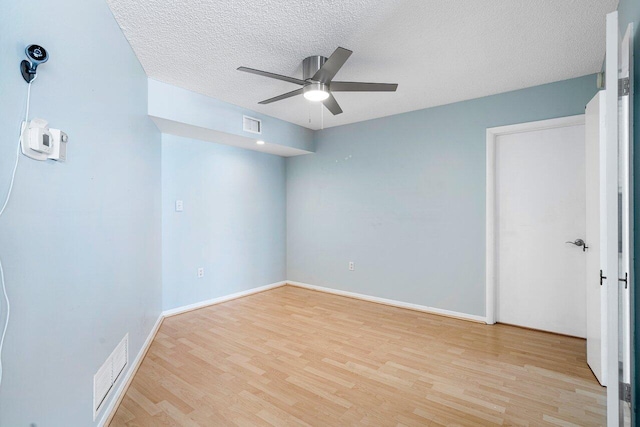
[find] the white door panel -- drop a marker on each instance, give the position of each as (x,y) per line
(610,219)
(540,205)
(625,216)
(595,257)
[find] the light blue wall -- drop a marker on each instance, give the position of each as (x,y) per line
(80,241)
(183,106)
(629,12)
(404,198)
(233,223)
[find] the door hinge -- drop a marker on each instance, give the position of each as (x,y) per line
(624,86)
(600,81)
(625,392)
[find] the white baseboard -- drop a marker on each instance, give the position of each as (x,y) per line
(394,303)
(118,394)
(197,305)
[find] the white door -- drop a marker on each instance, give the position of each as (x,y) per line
(610,220)
(595,255)
(626,203)
(625,245)
(540,206)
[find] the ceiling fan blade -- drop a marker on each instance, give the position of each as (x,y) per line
(332,66)
(332,105)
(363,87)
(281,97)
(273,76)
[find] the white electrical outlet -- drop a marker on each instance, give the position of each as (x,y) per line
(200,272)
(352,266)
(178,205)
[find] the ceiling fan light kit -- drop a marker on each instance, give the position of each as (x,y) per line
(316,92)
(317,83)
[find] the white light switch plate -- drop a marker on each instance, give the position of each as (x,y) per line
(179,206)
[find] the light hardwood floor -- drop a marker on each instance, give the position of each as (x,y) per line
(291,356)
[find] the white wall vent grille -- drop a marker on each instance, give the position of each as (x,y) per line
(102,383)
(249,124)
(109,373)
(120,357)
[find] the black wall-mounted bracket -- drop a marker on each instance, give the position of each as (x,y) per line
(28,72)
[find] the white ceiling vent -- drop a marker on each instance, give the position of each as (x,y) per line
(108,374)
(249,124)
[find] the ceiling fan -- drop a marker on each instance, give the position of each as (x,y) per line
(317,81)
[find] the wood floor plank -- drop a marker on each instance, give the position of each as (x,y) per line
(292,356)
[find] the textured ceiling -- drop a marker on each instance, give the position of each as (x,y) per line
(439,51)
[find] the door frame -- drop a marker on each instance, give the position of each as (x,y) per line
(490,201)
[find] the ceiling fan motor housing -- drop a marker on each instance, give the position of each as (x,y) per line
(311,65)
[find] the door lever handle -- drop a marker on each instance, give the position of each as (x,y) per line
(580,242)
(602,277)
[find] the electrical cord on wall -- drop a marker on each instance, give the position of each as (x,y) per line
(4,206)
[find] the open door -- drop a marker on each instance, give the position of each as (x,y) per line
(618,211)
(610,219)
(625,216)
(595,256)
